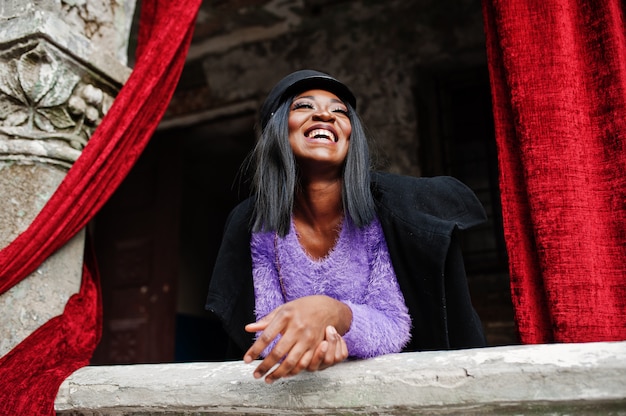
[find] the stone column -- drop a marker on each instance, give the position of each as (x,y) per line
(62,62)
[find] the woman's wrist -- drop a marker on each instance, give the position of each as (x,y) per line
(344,318)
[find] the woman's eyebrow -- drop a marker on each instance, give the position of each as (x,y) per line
(312,97)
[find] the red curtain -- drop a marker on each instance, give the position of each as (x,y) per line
(32,372)
(558,75)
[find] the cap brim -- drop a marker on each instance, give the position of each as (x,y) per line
(320,83)
(301,81)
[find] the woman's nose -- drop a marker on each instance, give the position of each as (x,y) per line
(323,114)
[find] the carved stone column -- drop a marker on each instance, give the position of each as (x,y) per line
(61,64)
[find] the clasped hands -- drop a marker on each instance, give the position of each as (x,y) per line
(311,330)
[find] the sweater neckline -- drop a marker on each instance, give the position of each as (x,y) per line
(294,240)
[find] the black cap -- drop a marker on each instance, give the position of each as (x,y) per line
(299,81)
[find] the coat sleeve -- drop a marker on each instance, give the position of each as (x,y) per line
(231,292)
(421,218)
(464,327)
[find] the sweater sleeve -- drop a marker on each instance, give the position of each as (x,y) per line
(267,293)
(381,323)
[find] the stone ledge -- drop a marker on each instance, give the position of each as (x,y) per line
(532,379)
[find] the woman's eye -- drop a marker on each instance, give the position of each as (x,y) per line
(302,105)
(341,111)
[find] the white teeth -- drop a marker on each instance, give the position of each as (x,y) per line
(323,133)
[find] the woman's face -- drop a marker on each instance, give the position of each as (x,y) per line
(319,129)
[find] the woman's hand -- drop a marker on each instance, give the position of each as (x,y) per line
(330,351)
(310,329)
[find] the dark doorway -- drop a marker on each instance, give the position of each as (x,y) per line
(213,183)
(457,138)
(156,241)
(136,240)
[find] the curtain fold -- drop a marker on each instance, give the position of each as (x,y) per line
(558,79)
(37,366)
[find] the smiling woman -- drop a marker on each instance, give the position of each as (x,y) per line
(319,131)
(328,260)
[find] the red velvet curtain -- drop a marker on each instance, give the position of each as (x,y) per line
(558,74)
(32,372)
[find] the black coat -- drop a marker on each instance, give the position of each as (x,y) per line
(419,217)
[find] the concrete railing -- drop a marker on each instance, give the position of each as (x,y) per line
(556,379)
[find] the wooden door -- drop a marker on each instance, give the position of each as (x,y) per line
(136,237)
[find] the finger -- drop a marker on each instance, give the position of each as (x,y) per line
(334,346)
(270,332)
(303,364)
(278,354)
(261,324)
(342,351)
(325,357)
(255,351)
(318,356)
(264,339)
(256,326)
(291,354)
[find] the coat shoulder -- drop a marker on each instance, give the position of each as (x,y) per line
(442,198)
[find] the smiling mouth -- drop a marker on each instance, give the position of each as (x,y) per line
(322,134)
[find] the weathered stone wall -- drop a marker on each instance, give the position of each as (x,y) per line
(242,48)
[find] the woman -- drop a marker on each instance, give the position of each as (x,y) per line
(328,260)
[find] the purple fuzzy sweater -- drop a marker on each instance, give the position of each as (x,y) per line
(357,271)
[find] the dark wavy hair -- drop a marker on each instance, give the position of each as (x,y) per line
(275,175)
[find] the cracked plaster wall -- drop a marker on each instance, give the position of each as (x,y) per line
(375,47)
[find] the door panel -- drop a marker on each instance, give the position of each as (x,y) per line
(136,236)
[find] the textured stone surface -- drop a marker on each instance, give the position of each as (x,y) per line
(25,189)
(41,23)
(554,379)
(241,49)
(58,79)
(43,294)
(50,105)
(106,23)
